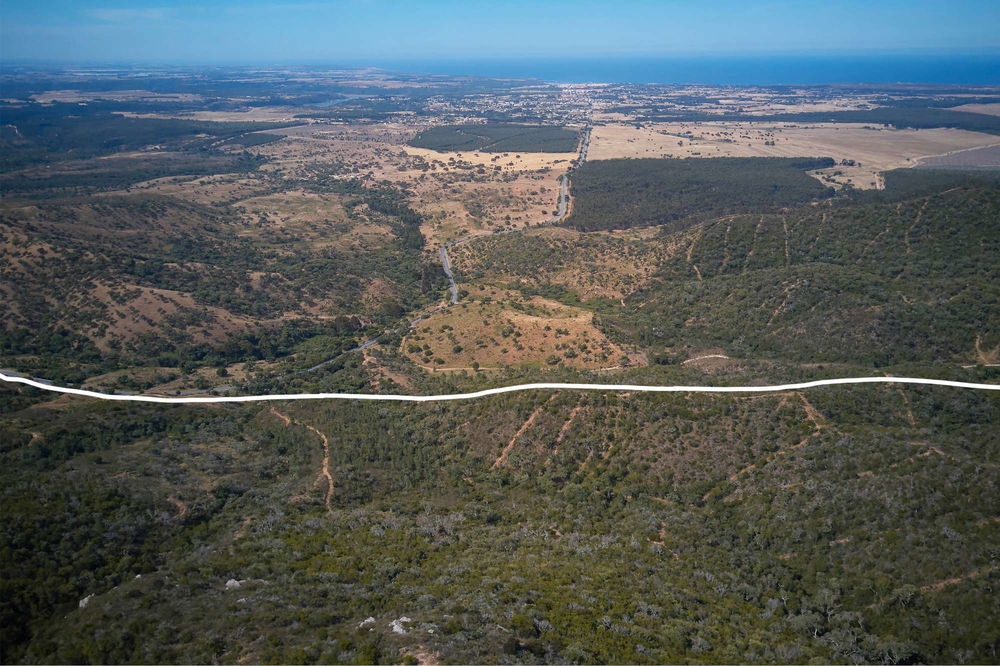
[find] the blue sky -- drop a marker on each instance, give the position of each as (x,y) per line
(265,31)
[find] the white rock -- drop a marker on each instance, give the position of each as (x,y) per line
(232,584)
(397,625)
(367,621)
(86,600)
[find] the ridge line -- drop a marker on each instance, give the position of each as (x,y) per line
(498,390)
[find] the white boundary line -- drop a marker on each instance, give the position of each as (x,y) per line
(502,389)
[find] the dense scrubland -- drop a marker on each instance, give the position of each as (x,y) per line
(874,285)
(847,524)
(840,525)
(42,134)
(619,194)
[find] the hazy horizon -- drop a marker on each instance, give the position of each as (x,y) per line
(376,31)
(773,69)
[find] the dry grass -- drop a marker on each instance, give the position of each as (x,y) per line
(501,329)
(317,220)
(458,192)
(507,161)
(145,308)
(986,156)
(874,149)
(988,109)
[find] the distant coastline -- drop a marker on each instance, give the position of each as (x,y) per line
(981,69)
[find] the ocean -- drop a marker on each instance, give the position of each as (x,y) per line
(730,70)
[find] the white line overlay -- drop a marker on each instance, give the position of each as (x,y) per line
(502,389)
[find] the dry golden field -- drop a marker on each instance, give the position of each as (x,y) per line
(872,149)
(494,328)
(988,109)
(459,192)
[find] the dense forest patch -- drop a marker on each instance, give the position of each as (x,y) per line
(624,193)
(498,138)
(901,184)
(113,172)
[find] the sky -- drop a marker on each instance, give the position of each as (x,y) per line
(374,31)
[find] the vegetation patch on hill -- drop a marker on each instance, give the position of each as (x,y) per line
(876,285)
(153,279)
(111,172)
(593,265)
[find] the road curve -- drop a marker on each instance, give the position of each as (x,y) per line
(630,388)
(562,207)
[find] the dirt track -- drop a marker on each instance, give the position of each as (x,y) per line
(325,467)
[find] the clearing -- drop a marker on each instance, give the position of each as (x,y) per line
(495,328)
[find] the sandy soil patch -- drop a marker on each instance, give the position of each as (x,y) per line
(871,149)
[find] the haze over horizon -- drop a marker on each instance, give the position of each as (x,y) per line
(384,31)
